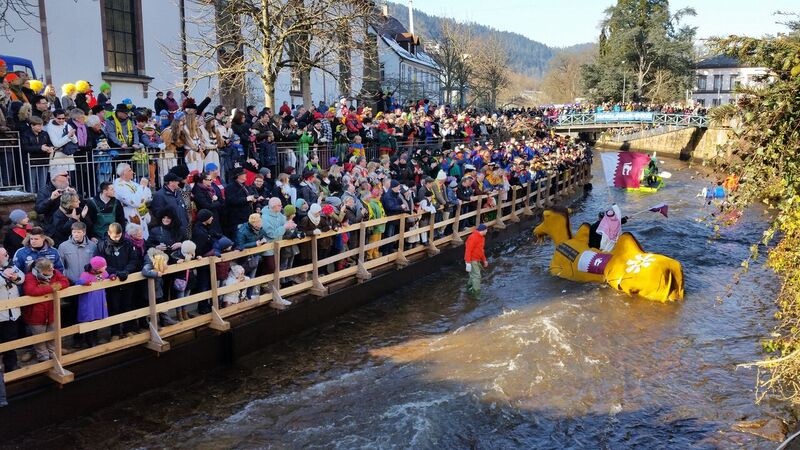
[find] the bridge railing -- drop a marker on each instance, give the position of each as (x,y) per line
(357,264)
(627,117)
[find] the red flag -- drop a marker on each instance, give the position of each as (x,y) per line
(662,208)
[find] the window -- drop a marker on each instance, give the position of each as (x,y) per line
(732,101)
(734,82)
(701,102)
(701,82)
(120,36)
(717,82)
(715,102)
(295,82)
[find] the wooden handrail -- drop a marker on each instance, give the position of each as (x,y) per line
(565,182)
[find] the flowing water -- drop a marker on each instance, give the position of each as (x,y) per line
(535,362)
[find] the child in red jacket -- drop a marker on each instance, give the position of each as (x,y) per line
(42,280)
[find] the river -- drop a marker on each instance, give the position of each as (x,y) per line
(535,362)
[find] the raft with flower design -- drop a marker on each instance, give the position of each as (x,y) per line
(628,268)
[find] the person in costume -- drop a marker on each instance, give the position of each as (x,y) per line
(610,228)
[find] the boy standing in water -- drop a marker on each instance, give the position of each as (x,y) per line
(474,256)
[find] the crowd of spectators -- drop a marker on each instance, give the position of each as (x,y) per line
(217,187)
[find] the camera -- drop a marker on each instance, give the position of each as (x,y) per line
(294,234)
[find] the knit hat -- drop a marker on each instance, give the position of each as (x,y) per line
(208,117)
(181,171)
(274,201)
(441,176)
(394,184)
(289,210)
(121,107)
(179,115)
(171,177)
(327,210)
(210,167)
(17,216)
(97,262)
(481,227)
(254,219)
(314,209)
(203,215)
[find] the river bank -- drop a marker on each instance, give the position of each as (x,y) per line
(536,362)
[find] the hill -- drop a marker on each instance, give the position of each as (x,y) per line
(526,56)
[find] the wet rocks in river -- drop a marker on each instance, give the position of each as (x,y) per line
(772,429)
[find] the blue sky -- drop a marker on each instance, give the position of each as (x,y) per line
(560,23)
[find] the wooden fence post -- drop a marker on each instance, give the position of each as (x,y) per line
(478,211)
(514,217)
(457,237)
(155,343)
(498,221)
(401,261)
(526,211)
(431,249)
(317,288)
(277,300)
(58,373)
(217,323)
(362,274)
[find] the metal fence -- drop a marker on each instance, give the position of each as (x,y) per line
(25,172)
(591,118)
(12,172)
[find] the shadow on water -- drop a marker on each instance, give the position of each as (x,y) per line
(535,362)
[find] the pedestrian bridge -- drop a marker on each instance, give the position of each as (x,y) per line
(598,121)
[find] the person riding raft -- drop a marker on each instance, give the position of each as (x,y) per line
(609,228)
(651,172)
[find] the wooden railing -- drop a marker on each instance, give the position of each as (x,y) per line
(520,201)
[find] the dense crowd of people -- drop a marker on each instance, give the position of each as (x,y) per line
(218,187)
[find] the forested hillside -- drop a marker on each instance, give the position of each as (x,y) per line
(526,56)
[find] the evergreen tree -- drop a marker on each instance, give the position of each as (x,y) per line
(644,49)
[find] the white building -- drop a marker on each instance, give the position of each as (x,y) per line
(121,42)
(717,78)
(405,68)
(135,46)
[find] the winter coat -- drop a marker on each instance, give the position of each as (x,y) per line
(473,251)
(41,313)
(164,235)
(9,290)
(247,236)
(121,256)
(76,256)
(26,256)
(238,209)
(274,226)
(172,200)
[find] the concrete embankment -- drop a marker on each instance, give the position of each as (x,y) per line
(687,143)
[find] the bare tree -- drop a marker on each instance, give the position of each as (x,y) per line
(562,82)
(450,53)
(273,35)
(490,71)
(16,16)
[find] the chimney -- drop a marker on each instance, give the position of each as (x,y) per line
(385,9)
(411,16)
